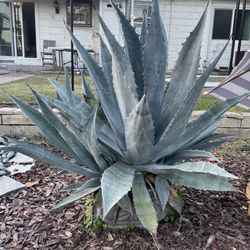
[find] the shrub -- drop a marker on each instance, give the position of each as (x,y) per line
(132,140)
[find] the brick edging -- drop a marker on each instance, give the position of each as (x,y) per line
(14,123)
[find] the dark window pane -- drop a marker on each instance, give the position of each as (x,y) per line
(82,13)
(222,24)
(246,27)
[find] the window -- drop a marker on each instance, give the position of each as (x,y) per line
(246,27)
(82,13)
(222,24)
(6,37)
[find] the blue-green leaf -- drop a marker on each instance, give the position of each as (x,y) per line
(106,60)
(125,204)
(87,188)
(139,133)
(104,89)
(155,63)
(42,154)
(144,30)
(184,74)
(182,115)
(162,188)
(86,87)
(123,76)
(133,49)
(143,204)
(115,183)
(46,128)
(84,156)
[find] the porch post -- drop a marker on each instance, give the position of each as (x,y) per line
(234,36)
(132,13)
(72,45)
(237,60)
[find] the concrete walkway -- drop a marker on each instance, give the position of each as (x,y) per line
(13,76)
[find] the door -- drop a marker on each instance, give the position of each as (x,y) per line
(29,29)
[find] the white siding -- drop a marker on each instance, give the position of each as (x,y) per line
(181,16)
(51,26)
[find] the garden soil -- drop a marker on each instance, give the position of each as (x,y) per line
(211,220)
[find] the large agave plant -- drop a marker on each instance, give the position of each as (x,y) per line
(132,140)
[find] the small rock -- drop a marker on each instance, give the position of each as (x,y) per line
(10,154)
(19,168)
(2,166)
(177,234)
(107,248)
(2,172)
(110,237)
(5,160)
(4,155)
(9,185)
(20,158)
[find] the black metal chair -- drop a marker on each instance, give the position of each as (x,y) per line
(48,55)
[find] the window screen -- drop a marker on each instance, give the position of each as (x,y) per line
(222,24)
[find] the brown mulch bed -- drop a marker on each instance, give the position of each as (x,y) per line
(210,220)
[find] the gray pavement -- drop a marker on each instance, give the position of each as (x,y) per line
(13,76)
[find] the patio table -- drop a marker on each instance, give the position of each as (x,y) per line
(61,50)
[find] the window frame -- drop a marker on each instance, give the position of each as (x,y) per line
(78,3)
(213,19)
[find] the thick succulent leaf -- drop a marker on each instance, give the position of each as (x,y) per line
(182,115)
(133,49)
(87,188)
(186,140)
(188,153)
(184,74)
(143,204)
(105,91)
(139,133)
(208,146)
(115,183)
(144,30)
(106,60)
(123,76)
(86,87)
(155,63)
(201,181)
(68,85)
(214,113)
(79,116)
(199,129)
(175,201)
(162,188)
(42,154)
(90,137)
(84,156)
(48,130)
(125,204)
(189,167)
(72,187)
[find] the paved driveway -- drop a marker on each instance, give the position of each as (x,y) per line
(13,76)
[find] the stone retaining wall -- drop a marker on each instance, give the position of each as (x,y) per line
(14,123)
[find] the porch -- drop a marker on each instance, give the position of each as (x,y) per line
(25,24)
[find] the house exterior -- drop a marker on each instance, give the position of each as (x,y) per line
(25,24)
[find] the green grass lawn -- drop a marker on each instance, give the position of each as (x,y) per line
(41,84)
